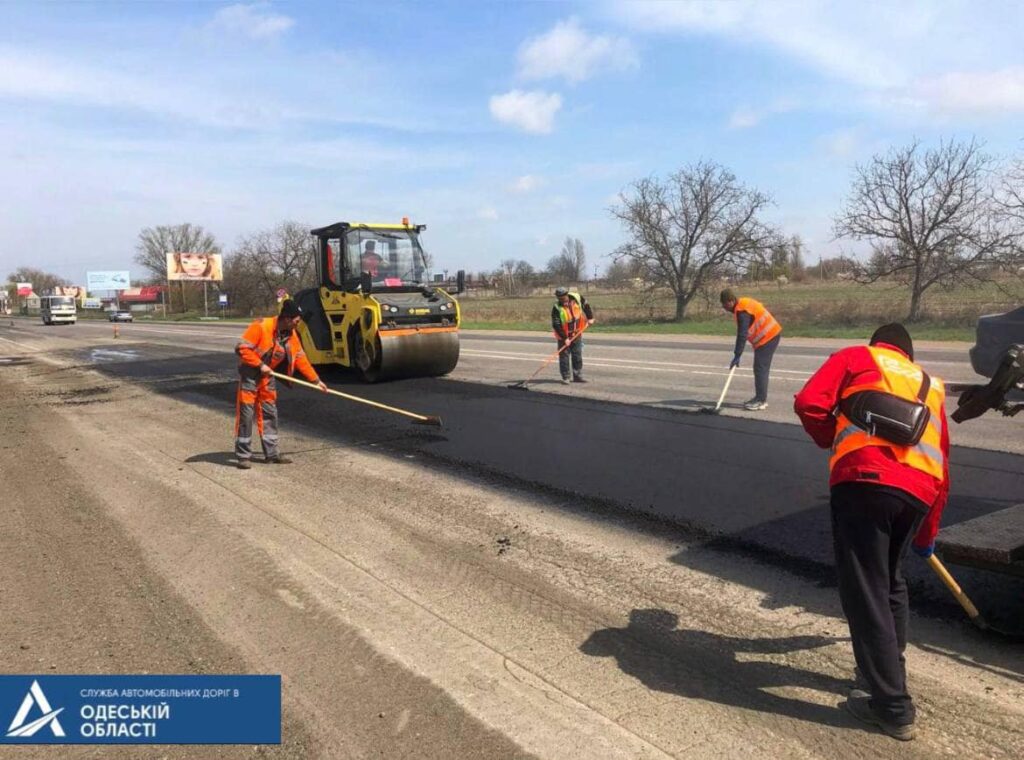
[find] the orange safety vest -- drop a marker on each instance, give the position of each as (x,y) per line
(259,344)
(900,377)
(763,327)
(572,317)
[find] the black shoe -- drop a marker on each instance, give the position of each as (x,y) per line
(859,708)
(244,464)
(278,460)
(578,379)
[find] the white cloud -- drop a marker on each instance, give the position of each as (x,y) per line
(826,36)
(527,183)
(487,214)
(981,93)
(744,118)
(567,50)
(922,57)
(254,21)
(842,143)
(533,111)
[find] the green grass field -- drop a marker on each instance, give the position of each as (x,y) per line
(814,310)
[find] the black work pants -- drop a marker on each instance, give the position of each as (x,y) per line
(762,366)
(575,353)
(872,526)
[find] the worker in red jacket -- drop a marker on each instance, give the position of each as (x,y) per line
(884,497)
(268,345)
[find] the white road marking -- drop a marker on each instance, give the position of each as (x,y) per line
(635,365)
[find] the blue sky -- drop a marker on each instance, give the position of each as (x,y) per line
(502,126)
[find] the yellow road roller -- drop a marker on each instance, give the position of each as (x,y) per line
(375,309)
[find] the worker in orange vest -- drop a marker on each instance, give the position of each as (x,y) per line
(268,345)
(756,324)
(885,496)
(570,316)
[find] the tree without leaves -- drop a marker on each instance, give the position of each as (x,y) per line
(515,278)
(266,261)
(930,216)
(156,242)
(570,264)
(686,229)
(621,273)
(42,282)
(1011,203)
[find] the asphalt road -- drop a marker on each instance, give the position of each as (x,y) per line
(628,439)
(551,573)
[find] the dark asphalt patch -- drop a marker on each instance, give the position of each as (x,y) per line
(756,487)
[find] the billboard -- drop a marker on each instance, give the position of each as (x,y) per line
(201,267)
(95,281)
(75,291)
(24,288)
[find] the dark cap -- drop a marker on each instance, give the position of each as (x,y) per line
(561,292)
(290,309)
(727,295)
(894,334)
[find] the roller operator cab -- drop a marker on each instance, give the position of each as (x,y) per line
(374,309)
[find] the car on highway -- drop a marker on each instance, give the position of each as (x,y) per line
(994,335)
(120,315)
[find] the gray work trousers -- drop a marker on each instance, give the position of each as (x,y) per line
(575,353)
(256,403)
(762,367)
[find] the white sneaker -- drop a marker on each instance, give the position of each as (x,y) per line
(755,406)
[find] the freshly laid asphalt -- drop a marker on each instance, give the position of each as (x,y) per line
(754,485)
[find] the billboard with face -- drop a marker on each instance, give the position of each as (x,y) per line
(199,266)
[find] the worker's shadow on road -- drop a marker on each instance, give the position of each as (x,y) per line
(702,665)
(223,458)
(691,405)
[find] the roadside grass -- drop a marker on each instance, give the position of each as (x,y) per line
(833,309)
(842,310)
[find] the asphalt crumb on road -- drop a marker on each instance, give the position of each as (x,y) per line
(78,597)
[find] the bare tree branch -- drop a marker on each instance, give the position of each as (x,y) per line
(932,218)
(685,230)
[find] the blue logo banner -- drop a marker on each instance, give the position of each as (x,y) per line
(218,709)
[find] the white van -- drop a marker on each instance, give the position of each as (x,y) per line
(57,310)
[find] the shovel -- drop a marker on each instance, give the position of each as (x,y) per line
(717,408)
(972,612)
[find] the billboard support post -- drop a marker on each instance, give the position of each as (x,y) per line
(206,301)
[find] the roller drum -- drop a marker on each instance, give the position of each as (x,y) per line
(423,354)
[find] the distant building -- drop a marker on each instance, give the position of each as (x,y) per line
(145,298)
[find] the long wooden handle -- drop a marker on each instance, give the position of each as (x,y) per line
(385,407)
(953,586)
(556,354)
(725,390)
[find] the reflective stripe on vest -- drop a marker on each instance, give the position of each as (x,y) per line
(571,316)
(763,327)
(900,377)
